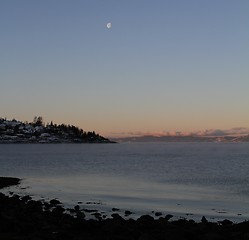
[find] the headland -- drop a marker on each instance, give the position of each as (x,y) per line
(13,131)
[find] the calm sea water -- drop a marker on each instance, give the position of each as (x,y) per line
(185,179)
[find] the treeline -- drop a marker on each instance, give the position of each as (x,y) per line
(71,130)
(63,128)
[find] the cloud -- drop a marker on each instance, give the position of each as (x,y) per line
(240,130)
(215,132)
(206,133)
(227,132)
(128,134)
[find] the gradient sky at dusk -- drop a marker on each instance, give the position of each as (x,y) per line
(165,65)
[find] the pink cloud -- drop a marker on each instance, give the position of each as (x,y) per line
(208,132)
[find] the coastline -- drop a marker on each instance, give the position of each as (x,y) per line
(23,218)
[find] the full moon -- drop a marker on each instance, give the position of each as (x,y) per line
(109,25)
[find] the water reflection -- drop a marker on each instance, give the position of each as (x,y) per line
(202,178)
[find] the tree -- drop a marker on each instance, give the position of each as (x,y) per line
(38,121)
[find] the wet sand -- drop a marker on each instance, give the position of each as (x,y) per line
(23,218)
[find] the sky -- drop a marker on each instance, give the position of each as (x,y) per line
(163,66)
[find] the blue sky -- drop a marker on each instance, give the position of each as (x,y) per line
(163,66)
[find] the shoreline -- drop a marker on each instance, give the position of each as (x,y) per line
(9,181)
(24,218)
(89,197)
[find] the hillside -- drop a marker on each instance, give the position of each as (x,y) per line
(14,131)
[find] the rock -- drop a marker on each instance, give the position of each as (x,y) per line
(168,217)
(97,215)
(34,206)
(76,208)
(90,210)
(8,181)
(127,213)
(115,209)
(145,218)
(80,215)
(204,220)
(58,210)
(26,198)
(226,222)
(191,221)
(55,202)
(116,216)
(47,206)
(71,211)
(157,214)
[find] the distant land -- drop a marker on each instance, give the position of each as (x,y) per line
(14,131)
(151,138)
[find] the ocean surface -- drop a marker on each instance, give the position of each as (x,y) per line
(187,180)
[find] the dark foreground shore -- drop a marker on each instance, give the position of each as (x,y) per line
(24,218)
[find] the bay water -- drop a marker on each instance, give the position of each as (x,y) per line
(184,179)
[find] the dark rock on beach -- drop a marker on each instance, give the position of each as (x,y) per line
(168,217)
(204,220)
(115,209)
(157,214)
(8,181)
(127,213)
(55,202)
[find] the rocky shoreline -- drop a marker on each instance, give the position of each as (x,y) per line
(23,218)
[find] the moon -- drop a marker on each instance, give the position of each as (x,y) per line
(109,25)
